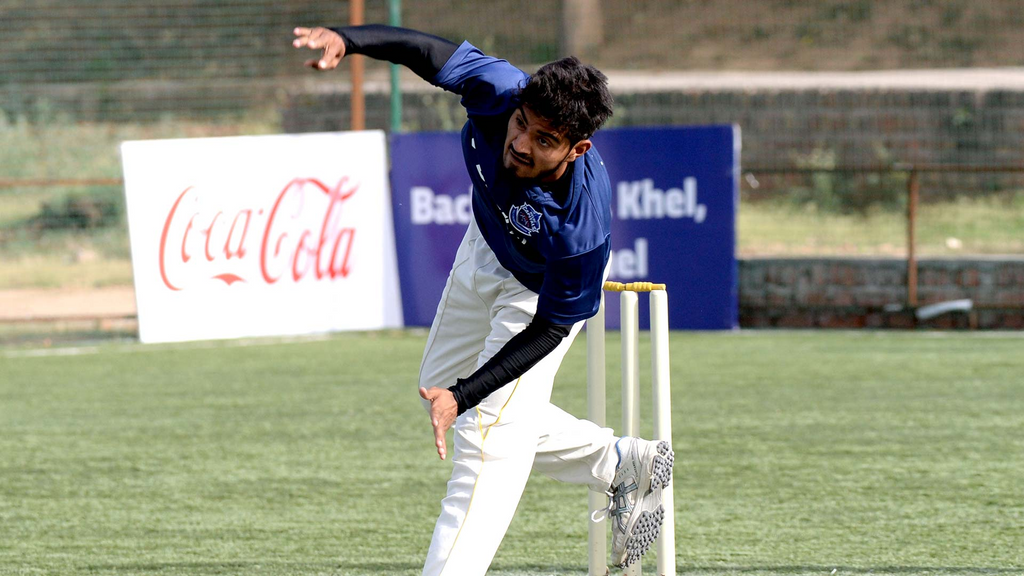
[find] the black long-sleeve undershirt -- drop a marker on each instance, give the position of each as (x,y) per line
(425,55)
(422,53)
(522,352)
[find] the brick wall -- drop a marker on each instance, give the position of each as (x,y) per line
(870,292)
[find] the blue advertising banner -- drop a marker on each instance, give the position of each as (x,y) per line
(674,218)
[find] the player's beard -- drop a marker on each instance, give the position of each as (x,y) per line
(540,176)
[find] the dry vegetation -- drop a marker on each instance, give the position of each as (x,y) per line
(752,35)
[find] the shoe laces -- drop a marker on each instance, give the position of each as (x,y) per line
(603,513)
(606,512)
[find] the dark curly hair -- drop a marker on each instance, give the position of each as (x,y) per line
(573,96)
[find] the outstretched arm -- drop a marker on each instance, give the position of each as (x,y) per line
(487,85)
(422,53)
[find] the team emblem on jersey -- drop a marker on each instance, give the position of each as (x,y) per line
(525,219)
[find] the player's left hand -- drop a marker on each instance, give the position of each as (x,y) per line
(443,410)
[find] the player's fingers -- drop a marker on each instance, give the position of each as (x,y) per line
(310,38)
(301,37)
(317,37)
(439,441)
(331,58)
(325,63)
(424,393)
(314,64)
(337,51)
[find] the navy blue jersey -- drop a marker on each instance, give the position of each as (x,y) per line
(556,245)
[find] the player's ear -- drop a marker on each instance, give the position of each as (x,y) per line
(579,149)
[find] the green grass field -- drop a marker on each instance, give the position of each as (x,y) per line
(964,227)
(797,453)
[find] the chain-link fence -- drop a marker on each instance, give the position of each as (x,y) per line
(818,88)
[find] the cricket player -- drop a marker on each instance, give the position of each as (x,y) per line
(528,273)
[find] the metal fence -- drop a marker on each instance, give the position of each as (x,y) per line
(835,98)
(114,60)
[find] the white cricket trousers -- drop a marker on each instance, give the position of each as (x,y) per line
(513,430)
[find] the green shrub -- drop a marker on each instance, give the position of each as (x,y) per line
(93,208)
(847,192)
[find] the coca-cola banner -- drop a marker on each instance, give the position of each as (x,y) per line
(674,193)
(260,236)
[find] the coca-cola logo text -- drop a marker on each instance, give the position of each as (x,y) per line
(300,236)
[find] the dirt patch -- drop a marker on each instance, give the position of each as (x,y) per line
(113,301)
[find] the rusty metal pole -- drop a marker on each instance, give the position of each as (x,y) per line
(582,27)
(913,193)
(355,18)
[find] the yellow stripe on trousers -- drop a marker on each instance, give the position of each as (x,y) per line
(483,436)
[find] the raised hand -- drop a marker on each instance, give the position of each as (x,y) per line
(321,39)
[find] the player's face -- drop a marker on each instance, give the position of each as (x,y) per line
(534,149)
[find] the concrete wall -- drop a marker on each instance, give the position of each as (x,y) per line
(781,127)
(861,126)
(855,293)
(868,126)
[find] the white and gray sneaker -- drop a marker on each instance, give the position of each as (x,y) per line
(635,509)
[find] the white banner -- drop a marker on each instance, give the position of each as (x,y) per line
(261,235)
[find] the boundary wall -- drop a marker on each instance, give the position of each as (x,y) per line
(871,292)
